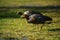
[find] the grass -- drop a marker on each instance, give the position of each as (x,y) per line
(12,27)
(29,2)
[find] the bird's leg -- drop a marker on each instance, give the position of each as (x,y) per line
(39,27)
(36,27)
(42,26)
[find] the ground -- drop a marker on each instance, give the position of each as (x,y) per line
(12,27)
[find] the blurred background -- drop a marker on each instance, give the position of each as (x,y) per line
(12,27)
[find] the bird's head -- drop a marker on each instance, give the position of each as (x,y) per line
(19,13)
(25,14)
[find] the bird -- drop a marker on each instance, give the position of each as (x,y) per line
(35,17)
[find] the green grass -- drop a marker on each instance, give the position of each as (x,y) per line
(13,27)
(16,28)
(29,2)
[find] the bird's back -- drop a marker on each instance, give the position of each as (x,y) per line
(35,18)
(38,19)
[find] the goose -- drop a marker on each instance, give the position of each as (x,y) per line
(35,17)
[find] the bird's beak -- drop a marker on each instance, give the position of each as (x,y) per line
(23,16)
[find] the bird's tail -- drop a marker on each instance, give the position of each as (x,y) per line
(47,18)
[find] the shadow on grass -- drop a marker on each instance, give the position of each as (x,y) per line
(56,29)
(11,38)
(9,15)
(5,12)
(35,7)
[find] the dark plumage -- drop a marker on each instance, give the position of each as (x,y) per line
(35,17)
(38,19)
(19,13)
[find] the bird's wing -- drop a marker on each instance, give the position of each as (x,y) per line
(31,18)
